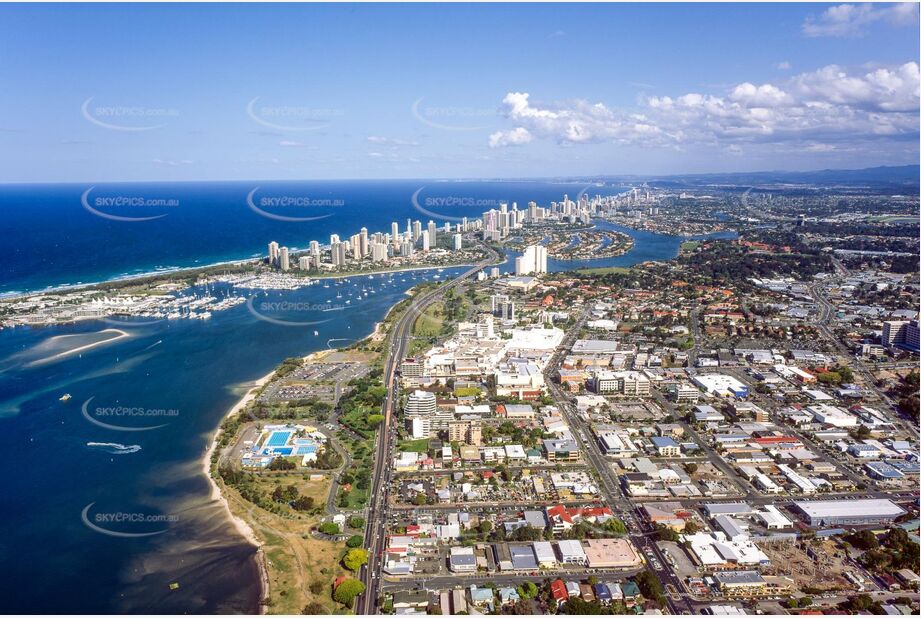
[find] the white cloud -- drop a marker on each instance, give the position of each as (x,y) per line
(575,122)
(830,105)
(784,65)
(766,95)
(852,19)
(516,137)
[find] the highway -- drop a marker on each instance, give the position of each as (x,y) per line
(400,337)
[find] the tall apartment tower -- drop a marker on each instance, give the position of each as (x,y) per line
(283,259)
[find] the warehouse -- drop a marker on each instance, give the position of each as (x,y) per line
(849,512)
(523,557)
(722,385)
(571,552)
(546,557)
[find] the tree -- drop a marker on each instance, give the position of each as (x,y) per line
(650,586)
(317,586)
(691,468)
(615,526)
(865,540)
(303,503)
(375,419)
(485,526)
(664,533)
(527,590)
(346,592)
(356,522)
(691,528)
(355,558)
(329,527)
(314,609)
(355,540)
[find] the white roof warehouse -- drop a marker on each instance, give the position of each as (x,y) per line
(849,512)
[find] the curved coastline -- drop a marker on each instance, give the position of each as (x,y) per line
(239,524)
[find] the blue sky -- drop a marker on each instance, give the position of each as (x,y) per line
(205,92)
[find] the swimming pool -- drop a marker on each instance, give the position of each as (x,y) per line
(278,438)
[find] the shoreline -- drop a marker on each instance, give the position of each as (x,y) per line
(166,273)
(243,527)
(238,523)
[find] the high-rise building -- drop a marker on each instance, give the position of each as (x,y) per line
(458,242)
(432,230)
(283,261)
(303,262)
(902,333)
(356,243)
(315,251)
(533,260)
(417,231)
(363,237)
(379,252)
(273,253)
(894,332)
(395,233)
(420,410)
(426,244)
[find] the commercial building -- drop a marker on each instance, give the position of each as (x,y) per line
(611,554)
(722,385)
(630,383)
(849,512)
(462,560)
(572,552)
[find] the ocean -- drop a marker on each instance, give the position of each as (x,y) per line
(104,516)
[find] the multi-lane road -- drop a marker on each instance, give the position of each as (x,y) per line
(399,341)
(610,487)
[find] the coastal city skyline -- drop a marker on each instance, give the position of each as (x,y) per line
(461,309)
(491,91)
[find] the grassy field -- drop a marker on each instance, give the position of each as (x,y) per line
(294,559)
(414,446)
(689,245)
(603,270)
(429,323)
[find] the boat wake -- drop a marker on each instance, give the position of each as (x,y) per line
(114,448)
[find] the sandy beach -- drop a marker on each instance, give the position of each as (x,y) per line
(241,526)
(239,523)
